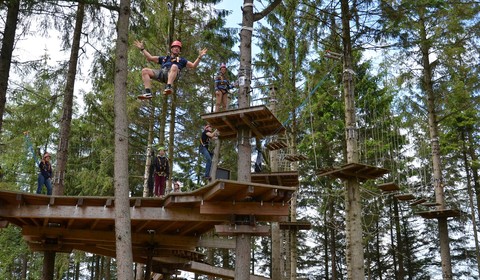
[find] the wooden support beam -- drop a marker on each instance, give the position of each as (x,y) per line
(229,230)
(246,120)
(245,208)
(216,189)
(217,242)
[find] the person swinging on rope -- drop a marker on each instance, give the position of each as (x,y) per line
(222,86)
(171,65)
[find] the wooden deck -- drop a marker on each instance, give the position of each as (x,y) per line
(168,230)
(287,178)
(357,171)
(435,214)
(259,119)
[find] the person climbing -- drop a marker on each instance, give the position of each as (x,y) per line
(45,174)
(222,86)
(171,65)
(207,135)
(162,172)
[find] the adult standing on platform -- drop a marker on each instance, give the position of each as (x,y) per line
(207,134)
(162,172)
(222,86)
(45,174)
(171,65)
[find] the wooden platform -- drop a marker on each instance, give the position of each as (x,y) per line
(287,178)
(404,196)
(172,226)
(359,171)
(298,225)
(418,201)
(388,187)
(259,119)
(275,145)
(439,214)
(292,157)
(430,204)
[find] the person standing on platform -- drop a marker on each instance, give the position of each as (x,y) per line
(207,135)
(171,65)
(162,172)
(45,174)
(222,86)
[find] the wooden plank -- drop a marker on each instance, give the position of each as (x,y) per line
(388,187)
(298,225)
(418,201)
(293,157)
(257,230)
(223,273)
(404,196)
(217,242)
(245,208)
(354,171)
(275,145)
(447,213)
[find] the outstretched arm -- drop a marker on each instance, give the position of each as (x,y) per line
(197,61)
(147,55)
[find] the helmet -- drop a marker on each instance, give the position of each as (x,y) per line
(161,148)
(223,66)
(176,44)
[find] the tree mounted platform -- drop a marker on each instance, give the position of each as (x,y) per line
(169,228)
(287,178)
(292,157)
(361,172)
(275,145)
(418,201)
(404,196)
(261,121)
(296,226)
(388,187)
(430,204)
(446,213)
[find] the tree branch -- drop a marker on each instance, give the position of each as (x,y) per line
(266,11)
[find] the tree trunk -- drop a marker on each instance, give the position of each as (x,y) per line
(6,52)
(215,159)
(242,252)
(353,207)
(148,160)
(436,158)
(123,233)
(48,265)
(67,107)
(400,246)
(470,199)
(276,249)
(171,140)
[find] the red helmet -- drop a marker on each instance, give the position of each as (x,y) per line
(176,44)
(223,66)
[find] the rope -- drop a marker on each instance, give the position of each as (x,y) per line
(29,147)
(300,107)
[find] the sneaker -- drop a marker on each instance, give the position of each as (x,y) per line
(145,96)
(168,90)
